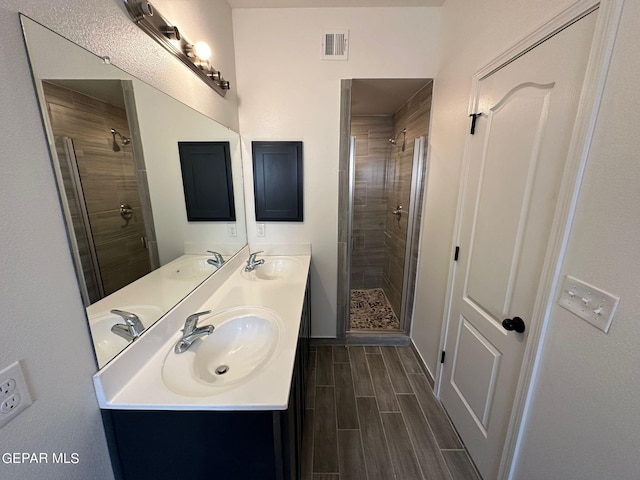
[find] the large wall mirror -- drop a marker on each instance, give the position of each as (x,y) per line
(114,146)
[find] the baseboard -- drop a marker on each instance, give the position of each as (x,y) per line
(423,366)
(327,341)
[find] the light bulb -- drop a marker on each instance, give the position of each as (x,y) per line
(202,50)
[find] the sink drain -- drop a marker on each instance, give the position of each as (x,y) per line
(222,369)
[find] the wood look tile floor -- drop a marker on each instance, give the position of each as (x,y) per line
(371,415)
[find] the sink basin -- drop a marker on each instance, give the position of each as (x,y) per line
(190,268)
(274,268)
(106,343)
(243,342)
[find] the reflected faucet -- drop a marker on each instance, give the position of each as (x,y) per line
(131,328)
(218,262)
(252,263)
(191,332)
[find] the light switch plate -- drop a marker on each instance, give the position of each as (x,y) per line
(588,302)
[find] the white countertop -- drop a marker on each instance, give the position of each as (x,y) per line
(149,297)
(133,380)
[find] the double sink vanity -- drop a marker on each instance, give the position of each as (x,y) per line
(201,358)
(230,403)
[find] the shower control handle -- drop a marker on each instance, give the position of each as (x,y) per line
(398,212)
(126,211)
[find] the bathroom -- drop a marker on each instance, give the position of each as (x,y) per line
(43,295)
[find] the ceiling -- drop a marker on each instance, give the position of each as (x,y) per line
(382,96)
(109,91)
(332,3)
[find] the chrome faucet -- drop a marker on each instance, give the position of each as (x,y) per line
(218,262)
(191,332)
(131,328)
(252,263)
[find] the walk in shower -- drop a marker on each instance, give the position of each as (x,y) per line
(389,123)
(96,170)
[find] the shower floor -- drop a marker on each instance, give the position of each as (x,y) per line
(370,310)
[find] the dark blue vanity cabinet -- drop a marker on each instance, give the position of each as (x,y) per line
(214,445)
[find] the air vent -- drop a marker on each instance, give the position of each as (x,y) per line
(335,45)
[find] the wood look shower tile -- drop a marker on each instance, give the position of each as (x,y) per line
(360,372)
(324,365)
(396,371)
(382,384)
(401,451)
(444,433)
(409,360)
(372,349)
(325,433)
(340,354)
(345,397)
(427,452)
(351,456)
(459,465)
(374,444)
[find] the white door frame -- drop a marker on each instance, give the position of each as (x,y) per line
(599,58)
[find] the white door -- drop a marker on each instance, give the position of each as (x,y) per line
(516,161)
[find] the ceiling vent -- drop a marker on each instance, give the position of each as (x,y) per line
(335,45)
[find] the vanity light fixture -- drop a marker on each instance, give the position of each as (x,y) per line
(194,55)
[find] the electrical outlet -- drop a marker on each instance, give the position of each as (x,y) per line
(260,228)
(14,394)
(7,386)
(232,230)
(10,403)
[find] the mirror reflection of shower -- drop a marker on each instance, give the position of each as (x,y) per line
(123,139)
(394,140)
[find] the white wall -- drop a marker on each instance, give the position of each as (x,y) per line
(584,421)
(287,93)
(160,136)
(43,321)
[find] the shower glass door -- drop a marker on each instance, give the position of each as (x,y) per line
(388,187)
(75,210)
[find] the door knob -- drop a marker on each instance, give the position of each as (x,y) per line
(515,323)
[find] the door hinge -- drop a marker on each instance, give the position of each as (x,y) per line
(455,255)
(442,357)
(474,117)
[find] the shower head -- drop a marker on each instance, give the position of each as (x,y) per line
(123,139)
(394,140)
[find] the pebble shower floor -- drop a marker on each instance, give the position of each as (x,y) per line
(370,310)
